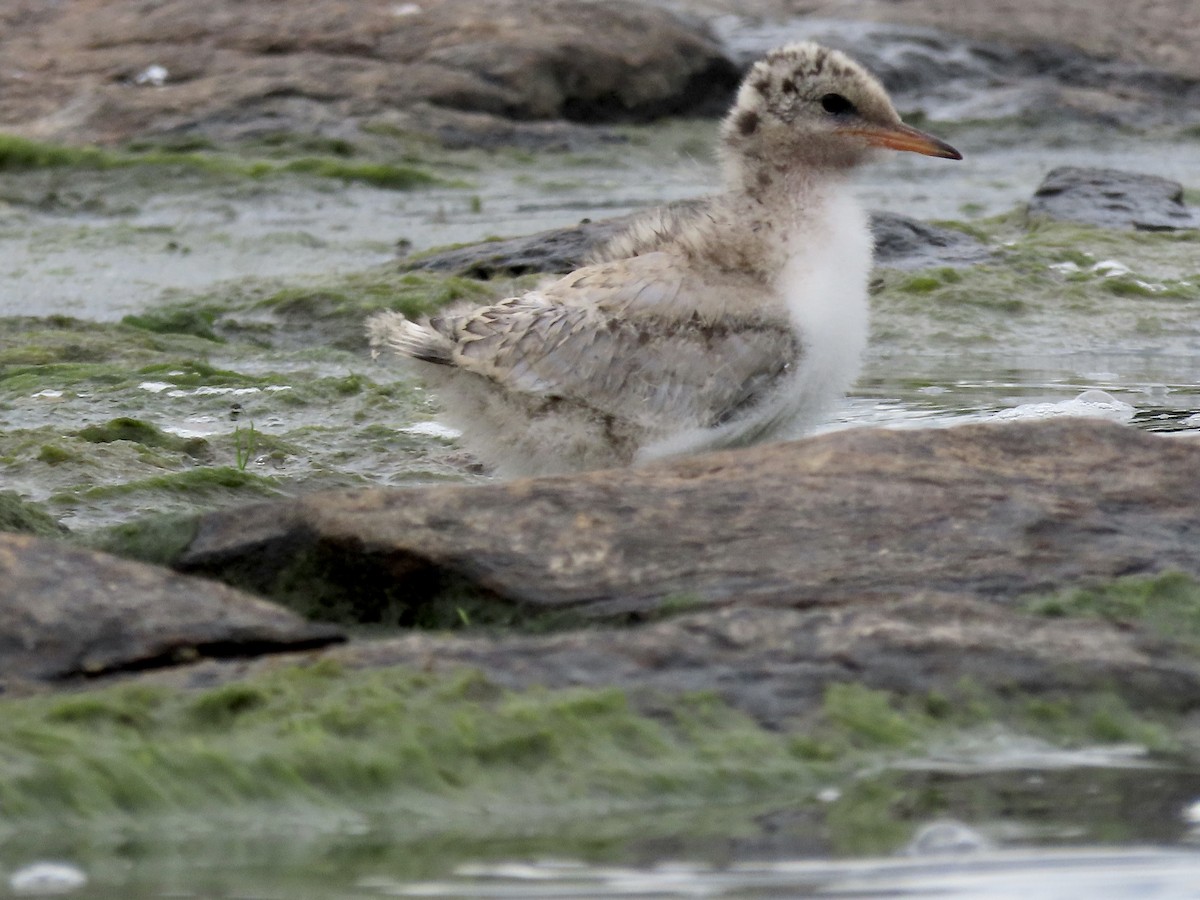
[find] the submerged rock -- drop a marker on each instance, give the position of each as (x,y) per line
(900,242)
(67,612)
(1111,198)
(557,250)
(905,243)
(984,511)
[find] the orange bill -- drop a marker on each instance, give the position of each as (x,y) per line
(904,137)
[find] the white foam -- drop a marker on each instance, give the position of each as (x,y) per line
(1093,404)
(433,429)
(47,878)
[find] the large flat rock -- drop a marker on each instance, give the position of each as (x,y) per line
(776,664)
(68,612)
(987,512)
(78,71)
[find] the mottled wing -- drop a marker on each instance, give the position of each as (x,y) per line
(619,338)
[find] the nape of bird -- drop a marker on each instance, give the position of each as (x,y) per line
(740,321)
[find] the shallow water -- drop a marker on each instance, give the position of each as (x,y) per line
(100,245)
(1035,875)
(1018,820)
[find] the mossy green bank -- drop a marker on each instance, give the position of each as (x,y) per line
(21,154)
(453,752)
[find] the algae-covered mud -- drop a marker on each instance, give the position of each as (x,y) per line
(323,781)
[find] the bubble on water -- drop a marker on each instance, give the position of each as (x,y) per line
(1110,268)
(946,836)
(1067,266)
(44,879)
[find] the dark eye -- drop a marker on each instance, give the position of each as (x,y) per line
(837,105)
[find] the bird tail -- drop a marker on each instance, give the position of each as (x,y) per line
(392,331)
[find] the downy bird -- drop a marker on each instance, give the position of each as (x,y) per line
(739,321)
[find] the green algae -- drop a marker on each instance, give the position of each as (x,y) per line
(1167,605)
(413,293)
(197,321)
(1047,284)
(36,345)
(394,738)
(139,432)
(419,754)
(27,518)
(321,417)
(21,154)
(53,454)
(198,482)
(156,539)
(329,310)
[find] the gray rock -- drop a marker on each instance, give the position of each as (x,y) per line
(900,242)
(238,68)
(904,243)
(557,250)
(948,76)
(776,664)
(1112,199)
(68,612)
(990,511)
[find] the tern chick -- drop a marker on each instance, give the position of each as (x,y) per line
(740,321)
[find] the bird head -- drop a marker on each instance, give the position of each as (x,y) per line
(806,107)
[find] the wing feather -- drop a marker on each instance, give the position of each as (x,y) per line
(624,339)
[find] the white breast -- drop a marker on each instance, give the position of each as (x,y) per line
(824,284)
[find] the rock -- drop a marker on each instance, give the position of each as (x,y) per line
(558,250)
(777,664)
(942,74)
(72,71)
(983,512)
(900,242)
(904,243)
(67,612)
(460,129)
(109,70)
(1112,199)
(1158,33)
